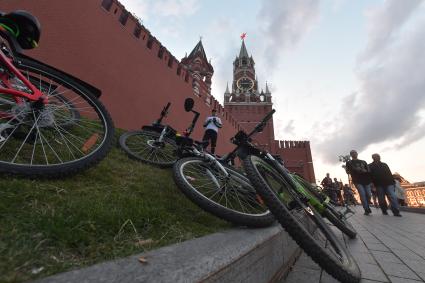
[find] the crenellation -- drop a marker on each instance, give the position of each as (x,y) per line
(140,32)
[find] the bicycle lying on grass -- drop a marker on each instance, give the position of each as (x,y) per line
(299,208)
(214,185)
(51,123)
(154,144)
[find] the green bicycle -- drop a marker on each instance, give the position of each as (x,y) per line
(299,208)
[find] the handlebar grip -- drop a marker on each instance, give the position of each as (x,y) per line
(167,106)
(268,116)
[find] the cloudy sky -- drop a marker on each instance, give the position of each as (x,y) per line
(343,74)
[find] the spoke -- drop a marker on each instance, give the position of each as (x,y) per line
(48,144)
(5,141)
(63,138)
(23,143)
(33,148)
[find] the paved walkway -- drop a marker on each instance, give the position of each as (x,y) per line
(387,249)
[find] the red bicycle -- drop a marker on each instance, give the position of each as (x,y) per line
(51,123)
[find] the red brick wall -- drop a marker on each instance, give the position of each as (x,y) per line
(83,39)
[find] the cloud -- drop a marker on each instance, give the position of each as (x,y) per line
(223,52)
(283,23)
(384,23)
(289,128)
(391,97)
(176,8)
(138,8)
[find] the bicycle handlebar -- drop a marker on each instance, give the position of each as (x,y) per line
(164,113)
(165,110)
(260,126)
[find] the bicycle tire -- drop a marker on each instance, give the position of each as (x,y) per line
(340,222)
(346,269)
(87,143)
(241,193)
(144,141)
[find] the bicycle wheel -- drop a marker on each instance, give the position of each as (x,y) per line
(302,222)
(144,146)
(72,132)
(331,213)
(340,221)
(230,198)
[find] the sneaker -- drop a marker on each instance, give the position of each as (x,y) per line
(366,212)
(369,210)
(384,213)
(398,215)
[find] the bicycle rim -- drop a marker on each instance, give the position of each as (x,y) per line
(71,128)
(231,193)
(144,146)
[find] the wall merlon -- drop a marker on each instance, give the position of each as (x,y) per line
(132,23)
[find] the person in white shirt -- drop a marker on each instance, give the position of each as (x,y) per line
(211,125)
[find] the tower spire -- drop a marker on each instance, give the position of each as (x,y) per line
(198,51)
(227,89)
(267,88)
(243,52)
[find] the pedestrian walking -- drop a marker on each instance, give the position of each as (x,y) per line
(211,125)
(328,186)
(360,175)
(385,185)
(338,191)
(399,191)
(348,195)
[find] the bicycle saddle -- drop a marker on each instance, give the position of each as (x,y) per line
(24,26)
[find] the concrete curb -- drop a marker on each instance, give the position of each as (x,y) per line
(235,255)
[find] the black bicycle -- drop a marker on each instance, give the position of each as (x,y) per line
(214,185)
(299,208)
(153,144)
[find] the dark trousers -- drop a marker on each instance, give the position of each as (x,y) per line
(211,137)
(388,191)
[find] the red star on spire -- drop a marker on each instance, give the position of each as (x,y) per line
(243,35)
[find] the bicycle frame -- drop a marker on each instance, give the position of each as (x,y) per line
(9,71)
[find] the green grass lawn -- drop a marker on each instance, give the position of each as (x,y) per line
(106,212)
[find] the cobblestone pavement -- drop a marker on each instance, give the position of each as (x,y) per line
(387,249)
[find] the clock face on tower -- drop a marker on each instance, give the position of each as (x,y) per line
(245,84)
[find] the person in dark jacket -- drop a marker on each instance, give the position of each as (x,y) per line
(328,187)
(383,180)
(360,175)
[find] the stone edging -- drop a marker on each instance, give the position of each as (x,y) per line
(235,255)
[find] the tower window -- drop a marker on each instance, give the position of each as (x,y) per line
(107,4)
(244,62)
(124,17)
